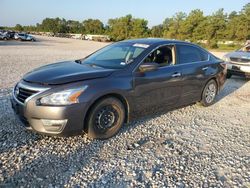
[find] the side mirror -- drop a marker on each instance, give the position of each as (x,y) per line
(147,67)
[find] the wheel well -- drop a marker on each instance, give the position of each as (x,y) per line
(115,95)
(209,81)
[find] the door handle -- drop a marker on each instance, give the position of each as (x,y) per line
(204,68)
(177,74)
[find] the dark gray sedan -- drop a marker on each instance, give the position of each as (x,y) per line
(101,92)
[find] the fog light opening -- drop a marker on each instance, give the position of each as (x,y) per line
(54,125)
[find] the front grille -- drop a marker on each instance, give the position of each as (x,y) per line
(241,60)
(22,93)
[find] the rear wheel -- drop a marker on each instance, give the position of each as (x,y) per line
(106,118)
(209,93)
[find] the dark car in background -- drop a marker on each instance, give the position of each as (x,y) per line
(24,37)
(101,92)
(238,62)
(11,34)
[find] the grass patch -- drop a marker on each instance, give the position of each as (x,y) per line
(222,47)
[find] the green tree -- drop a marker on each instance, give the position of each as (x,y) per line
(243,27)
(157,31)
(74,26)
(194,26)
(92,26)
(127,27)
(190,28)
(232,15)
(55,25)
(139,28)
(119,28)
(18,27)
(172,26)
(49,25)
(216,25)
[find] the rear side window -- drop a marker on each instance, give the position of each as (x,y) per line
(190,54)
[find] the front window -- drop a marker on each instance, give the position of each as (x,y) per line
(163,56)
(115,56)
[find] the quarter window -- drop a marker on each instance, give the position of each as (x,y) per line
(190,54)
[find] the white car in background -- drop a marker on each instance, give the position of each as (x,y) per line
(238,62)
(4,36)
(24,37)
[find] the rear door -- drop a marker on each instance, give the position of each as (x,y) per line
(196,70)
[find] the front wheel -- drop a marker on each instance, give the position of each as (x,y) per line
(106,118)
(209,93)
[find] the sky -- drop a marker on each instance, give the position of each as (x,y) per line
(30,12)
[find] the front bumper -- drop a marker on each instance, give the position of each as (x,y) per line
(238,69)
(31,117)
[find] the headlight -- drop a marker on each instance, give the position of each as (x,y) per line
(65,97)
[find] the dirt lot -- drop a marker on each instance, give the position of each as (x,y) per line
(192,146)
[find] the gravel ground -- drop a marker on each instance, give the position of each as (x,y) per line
(188,147)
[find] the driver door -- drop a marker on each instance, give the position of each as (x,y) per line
(160,87)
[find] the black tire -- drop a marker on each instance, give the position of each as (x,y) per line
(106,118)
(229,75)
(5,38)
(209,93)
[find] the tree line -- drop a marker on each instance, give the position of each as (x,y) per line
(194,26)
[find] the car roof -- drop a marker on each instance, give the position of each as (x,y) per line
(155,41)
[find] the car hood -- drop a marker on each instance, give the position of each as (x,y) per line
(239,54)
(65,72)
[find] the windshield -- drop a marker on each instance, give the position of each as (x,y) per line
(115,56)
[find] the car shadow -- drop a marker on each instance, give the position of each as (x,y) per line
(22,43)
(231,85)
